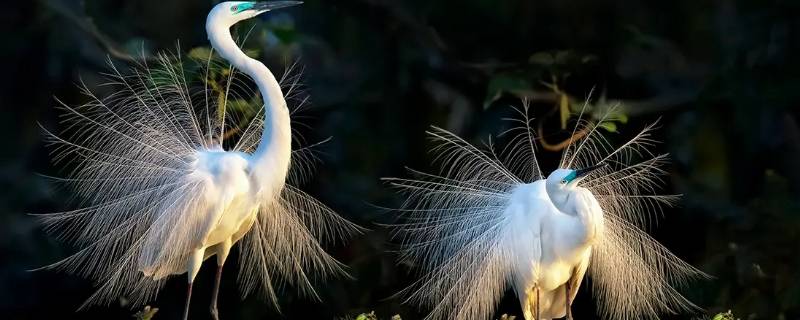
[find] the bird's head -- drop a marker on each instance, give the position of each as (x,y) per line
(561,181)
(229,13)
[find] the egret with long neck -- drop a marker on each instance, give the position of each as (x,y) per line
(242,179)
(272,154)
(163,195)
(563,221)
(489,221)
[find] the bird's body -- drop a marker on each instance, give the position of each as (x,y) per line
(230,201)
(229,184)
(558,246)
(491,221)
(232,185)
(164,190)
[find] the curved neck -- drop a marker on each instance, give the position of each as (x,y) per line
(558,196)
(276,136)
(580,203)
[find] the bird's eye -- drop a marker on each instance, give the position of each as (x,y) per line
(564,181)
(235,8)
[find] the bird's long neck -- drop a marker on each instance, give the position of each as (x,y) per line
(590,213)
(274,149)
(574,203)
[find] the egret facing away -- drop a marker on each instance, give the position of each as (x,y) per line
(162,195)
(490,220)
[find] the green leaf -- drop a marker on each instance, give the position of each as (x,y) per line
(146,314)
(608,126)
(252,53)
(504,83)
(616,115)
(367,316)
(200,53)
(239,105)
(724,316)
(622,118)
(563,107)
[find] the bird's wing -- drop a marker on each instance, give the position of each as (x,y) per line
(455,230)
(578,274)
(635,277)
(183,227)
(283,245)
(131,155)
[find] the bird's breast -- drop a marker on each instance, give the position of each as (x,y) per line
(227,171)
(238,211)
(228,191)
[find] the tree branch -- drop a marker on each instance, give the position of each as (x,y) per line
(87,26)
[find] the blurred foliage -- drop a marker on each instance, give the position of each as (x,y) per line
(367,316)
(722,77)
(728,315)
(372,316)
(147,313)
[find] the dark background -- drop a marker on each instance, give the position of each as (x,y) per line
(722,76)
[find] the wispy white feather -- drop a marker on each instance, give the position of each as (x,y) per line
(453,226)
(128,155)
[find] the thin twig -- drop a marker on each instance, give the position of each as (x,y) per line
(86,24)
(562,144)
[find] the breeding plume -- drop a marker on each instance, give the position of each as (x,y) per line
(163,186)
(490,221)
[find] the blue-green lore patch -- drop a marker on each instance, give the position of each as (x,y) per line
(571,176)
(237,8)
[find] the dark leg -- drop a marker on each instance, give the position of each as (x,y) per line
(217,280)
(538,307)
(569,303)
(188,298)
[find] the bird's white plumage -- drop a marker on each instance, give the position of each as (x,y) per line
(547,245)
(491,222)
(159,193)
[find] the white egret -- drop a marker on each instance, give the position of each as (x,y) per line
(161,194)
(490,220)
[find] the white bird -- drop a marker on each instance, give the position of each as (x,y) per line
(489,222)
(160,194)
(559,222)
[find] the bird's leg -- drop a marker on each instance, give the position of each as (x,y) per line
(195,261)
(217,280)
(188,298)
(222,254)
(538,310)
(569,303)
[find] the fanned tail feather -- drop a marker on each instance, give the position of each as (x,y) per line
(128,156)
(454,229)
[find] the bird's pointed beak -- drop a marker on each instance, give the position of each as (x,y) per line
(580,173)
(273,5)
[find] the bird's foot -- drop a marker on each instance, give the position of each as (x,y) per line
(214,313)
